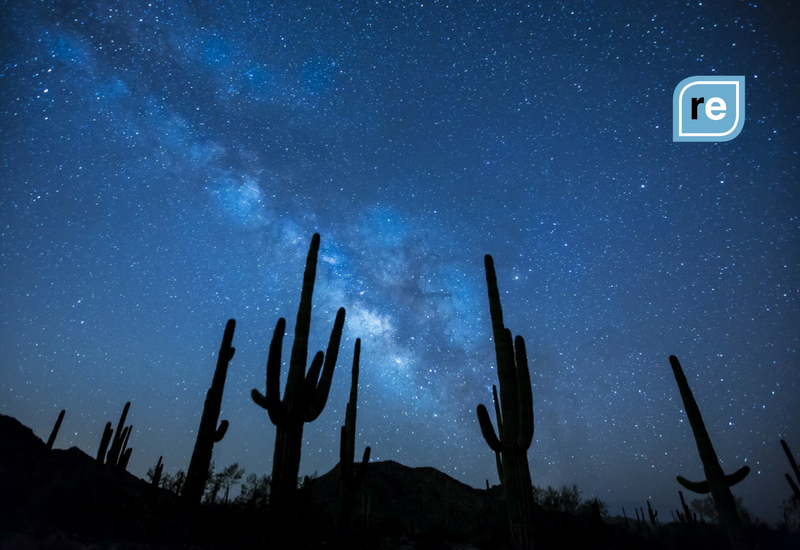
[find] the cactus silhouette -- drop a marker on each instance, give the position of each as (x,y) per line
(52,439)
(209,433)
(686,516)
(306,393)
(351,479)
(108,431)
(159,469)
(716,482)
(653,514)
(347,448)
(514,419)
(793,464)
(119,454)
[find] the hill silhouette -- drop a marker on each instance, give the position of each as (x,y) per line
(67,491)
(423,502)
(66,499)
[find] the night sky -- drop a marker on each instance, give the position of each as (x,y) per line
(165,164)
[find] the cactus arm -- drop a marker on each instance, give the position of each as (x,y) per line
(259,399)
(497,415)
(273,396)
(737,476)
(525,436)
(272,400)
(220,433)
(123,461)
(104,441)
(488,430)
(303,409)
(701,487)
(320,397)
(497,457)
(509,394)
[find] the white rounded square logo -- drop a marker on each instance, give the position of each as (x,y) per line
(708,108)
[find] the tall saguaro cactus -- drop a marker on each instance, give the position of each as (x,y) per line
(209,433)
(351,479)
(514,419)
(347,448)
(716,482)
(306,393)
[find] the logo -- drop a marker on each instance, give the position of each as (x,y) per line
(708,108)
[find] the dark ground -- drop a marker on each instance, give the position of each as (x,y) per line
(65,499)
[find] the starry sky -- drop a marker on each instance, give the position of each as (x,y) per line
(165,164)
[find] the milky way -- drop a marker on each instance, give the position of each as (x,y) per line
(164,168)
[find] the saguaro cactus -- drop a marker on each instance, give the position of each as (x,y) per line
(653,515)
(514,419)
(347,448)
(108,431)
(351,479)
(686,516)
(209,433)
(306,393)
(716,482)
(157,471)
(119,454)
(52,439)
(793,464)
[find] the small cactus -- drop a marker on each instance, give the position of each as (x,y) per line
(159,469)
(653,515)
(793,464)
(52,439)
(687,512)
(118,454)
(120,438)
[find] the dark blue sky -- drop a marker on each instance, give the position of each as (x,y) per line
(164,168)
